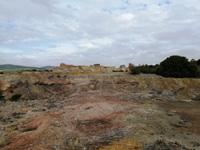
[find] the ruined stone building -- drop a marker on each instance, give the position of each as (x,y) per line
(84,69)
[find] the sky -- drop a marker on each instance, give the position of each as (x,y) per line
(85,32)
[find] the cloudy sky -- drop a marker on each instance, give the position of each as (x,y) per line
(84,32)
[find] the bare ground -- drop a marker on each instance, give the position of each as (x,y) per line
(100,120)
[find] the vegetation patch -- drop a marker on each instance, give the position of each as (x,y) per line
(173,66)
(118,70)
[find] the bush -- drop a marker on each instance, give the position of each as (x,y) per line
(118,71)
(147,69)
(15,97)
(177,67)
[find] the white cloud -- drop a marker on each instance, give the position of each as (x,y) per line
(107,32)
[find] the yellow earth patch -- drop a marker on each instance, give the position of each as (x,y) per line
(128,144)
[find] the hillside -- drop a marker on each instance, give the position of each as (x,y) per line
(11,67)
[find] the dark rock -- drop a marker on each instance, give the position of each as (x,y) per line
(89,107)
(50,77)
(58,76)
(169,114)
(7,120)
(16,115)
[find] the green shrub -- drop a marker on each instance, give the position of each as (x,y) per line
(147,69)
(135,70)
(15,97)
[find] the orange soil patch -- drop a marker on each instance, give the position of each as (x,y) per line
(18,141)
(8,90)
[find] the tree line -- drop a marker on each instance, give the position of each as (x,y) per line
(173,66)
